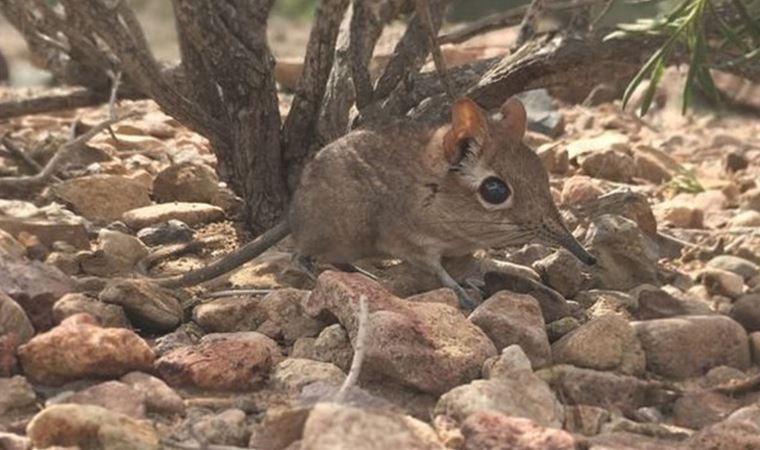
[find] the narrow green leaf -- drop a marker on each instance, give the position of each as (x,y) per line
(657,72)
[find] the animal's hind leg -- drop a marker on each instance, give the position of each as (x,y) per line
(305,264)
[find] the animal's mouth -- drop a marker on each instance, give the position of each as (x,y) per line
(575,247)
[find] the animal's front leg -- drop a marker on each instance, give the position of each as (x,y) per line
(466,302)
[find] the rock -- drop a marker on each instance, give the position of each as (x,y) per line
(732,433)
(118,254)
(334,346)
(71,231)
(609,140)
(228,361)
(229,427)
(186,182)
(615,440)
(722,282)
(10,441)
(562,272)
(689,346)
(579,189)
(35,287)
(754,343)
(509,318)
(626,258)
(720,375)
(16,393)
(336,427)
(67,263)
(746,311)
(512,359)
(679,214)
(698,409)
(272,270)
(147,305)
(520,394)
(554,158)
(615,392)
(490,430)
(90,427)
(529,254)
(102,198)
(281,427)
(293,374)
(656,303)
(553,305)
(112,395)
(622,202)
(650,168)
(9,246)
(561,327)
(169,232)
(750,199)
(13,320)
(286,320)
(106,315)
(745,219)
(610,165)
(230,314)
(734,162)
(428,346)
(190,213)
(604,343)
(740,266)
(79,348)
(159,397)
(585,419)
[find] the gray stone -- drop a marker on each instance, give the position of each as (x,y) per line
(689,346)
(146,304)
(604,343)
(509,318)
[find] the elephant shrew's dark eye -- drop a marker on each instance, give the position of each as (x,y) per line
(494,191)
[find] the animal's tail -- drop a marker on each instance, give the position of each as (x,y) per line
(232,261)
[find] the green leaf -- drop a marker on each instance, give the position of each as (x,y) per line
(726,30)
(657,72)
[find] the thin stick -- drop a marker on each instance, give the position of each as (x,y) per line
(52,165)
(423,9)
(234,292)
(530,21)
(602,13)
(359,350)
(182,446)
(20,154)
(115,82)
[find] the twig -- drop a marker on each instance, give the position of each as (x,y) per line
(115,82)
(359,351)
(20,154)
(504,19)
(77,98)
(530,22)
(234,292)
(183,446)
(423,10)
(410,52)
(52,165)
(602,13)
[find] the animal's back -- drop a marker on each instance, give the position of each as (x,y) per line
(351,188)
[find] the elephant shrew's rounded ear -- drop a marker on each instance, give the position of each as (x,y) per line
(514,118)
